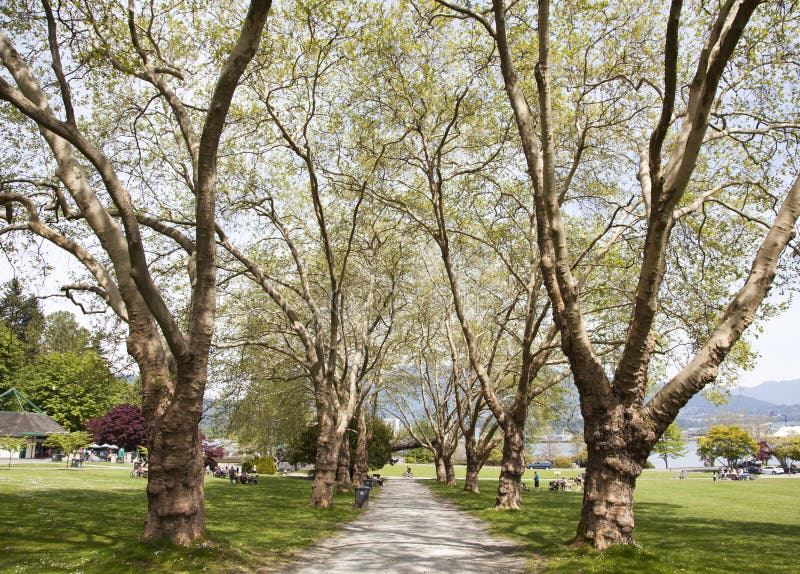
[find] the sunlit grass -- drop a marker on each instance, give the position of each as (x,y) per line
(90,520)
(693,525)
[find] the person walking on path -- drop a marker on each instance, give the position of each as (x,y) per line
(409,530)
(536,481)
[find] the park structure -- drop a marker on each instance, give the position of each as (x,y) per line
(22,419)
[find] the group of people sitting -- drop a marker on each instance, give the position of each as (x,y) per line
(234,474)
(564,483)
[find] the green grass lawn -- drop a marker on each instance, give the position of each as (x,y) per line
(692,525)
(89,520)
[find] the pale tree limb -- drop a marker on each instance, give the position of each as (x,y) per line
(667,191)
(702,369)
(110,291)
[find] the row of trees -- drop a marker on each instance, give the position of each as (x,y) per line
(490,200)
(733,444)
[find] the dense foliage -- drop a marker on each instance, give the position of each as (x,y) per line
(729,443)
(303,449)
(123,426)
(671,444)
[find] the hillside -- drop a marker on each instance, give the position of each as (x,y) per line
(775,392)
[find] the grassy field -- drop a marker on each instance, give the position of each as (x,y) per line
(692,525)
(89,520)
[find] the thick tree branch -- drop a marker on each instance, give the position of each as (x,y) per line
(702,369)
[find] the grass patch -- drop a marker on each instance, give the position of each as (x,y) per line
(693,525)
(90,520)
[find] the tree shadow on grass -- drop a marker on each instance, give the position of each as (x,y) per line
(51,529)
(718,545)
(668,540)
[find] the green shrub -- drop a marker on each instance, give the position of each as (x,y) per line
(247,464)
(266,465)
(563,461)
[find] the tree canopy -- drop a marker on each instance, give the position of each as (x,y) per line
(671,444)
(123,426)
(600,193)
(730,443)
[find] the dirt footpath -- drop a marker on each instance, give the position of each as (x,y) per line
(406,529)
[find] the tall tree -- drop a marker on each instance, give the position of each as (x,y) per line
(22,315)
(450,143)
(730,443)
(327,259)
(693,168)
(12,354)
(671,444)
(63,334)
(71,387)
(137,55)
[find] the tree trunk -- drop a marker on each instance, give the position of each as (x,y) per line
(343,470)
(450,471)
(175,489)
(607,515)
(473,468)
(441,471)
(512,468)
(361,467)
(326,463)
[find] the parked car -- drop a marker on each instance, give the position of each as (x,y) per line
(753,469)
(772,470)
(541,464)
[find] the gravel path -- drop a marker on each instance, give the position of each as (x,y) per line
(406,529)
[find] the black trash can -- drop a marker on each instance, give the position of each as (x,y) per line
(76,462)
(362,496)
(56,457)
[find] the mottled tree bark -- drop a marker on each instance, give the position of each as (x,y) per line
(326,462)
(512,468)
(343,470)
(618,444)
(441,471)
(361,467)
(473,468)
(449,471)
(607,513)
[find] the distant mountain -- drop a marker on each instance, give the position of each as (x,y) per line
(699,405)
(700,412)
(775,392)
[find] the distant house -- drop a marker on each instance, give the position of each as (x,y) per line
(20,418)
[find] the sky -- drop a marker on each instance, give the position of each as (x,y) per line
(779,347)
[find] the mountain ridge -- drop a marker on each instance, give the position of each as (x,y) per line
(785,392)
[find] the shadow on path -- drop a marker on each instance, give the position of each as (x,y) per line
(407,529)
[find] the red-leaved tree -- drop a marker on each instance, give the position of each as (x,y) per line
(212,451)
(123,426)
(764,452)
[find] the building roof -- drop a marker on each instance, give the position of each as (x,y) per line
(18,402)
(28,424)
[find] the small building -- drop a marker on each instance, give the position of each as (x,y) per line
(20,418)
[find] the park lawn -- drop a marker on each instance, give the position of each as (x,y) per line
(493,472)
(692,525)
(89,520)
